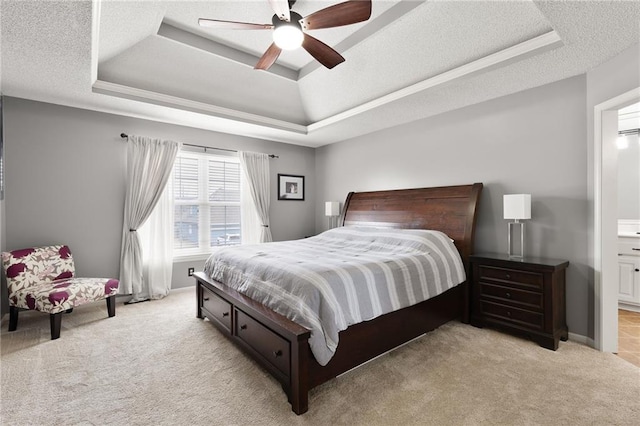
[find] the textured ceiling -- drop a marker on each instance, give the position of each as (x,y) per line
(412,59)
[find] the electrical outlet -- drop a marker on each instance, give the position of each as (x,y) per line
(190,271)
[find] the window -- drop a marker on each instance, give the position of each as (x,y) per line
(206,192)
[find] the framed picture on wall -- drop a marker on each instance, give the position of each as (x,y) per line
(290,187)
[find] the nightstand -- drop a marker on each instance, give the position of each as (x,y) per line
(524,296)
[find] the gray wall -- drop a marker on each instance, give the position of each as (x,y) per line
(530,142)
(629,181)
(66,181)
(4,303)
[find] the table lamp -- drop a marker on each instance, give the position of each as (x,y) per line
(332,210)
(517,207)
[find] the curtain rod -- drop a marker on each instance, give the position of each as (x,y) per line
(124,136)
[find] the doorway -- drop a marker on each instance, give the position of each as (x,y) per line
(606,219)
(629,233)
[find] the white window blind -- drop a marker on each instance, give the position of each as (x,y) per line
(207,202)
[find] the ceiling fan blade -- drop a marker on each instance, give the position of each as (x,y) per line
(268,58)
(231,25)
(323,53)
(349,12)
(281,8)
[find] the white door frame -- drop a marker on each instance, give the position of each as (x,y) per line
(605,190)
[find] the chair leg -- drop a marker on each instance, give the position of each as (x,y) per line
(13,318)
(111,306)
(56,321)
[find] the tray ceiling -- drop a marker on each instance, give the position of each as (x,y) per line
(412,59)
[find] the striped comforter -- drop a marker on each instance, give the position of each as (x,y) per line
(341,277)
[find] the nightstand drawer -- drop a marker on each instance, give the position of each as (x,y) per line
(509,295)
(533,320)
(528,280)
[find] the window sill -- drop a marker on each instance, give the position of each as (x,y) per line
(190,257)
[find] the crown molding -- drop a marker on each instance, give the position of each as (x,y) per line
(196,41)
(528,48)
(534,46)
(133,93)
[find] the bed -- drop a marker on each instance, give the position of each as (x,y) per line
(282,346)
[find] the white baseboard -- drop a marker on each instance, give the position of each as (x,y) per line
(579,338)
(628,307)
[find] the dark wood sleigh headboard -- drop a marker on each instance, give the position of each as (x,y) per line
(449,209)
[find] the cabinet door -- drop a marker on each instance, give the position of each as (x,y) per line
(629,279)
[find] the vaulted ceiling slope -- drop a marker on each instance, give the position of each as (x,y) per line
(410,60)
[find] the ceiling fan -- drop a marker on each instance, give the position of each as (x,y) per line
(289,29)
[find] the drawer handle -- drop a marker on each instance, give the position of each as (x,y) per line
(243,327)
(225,314)
(205,299)
(635,248)
(277,353)
(508,295)
(637,270)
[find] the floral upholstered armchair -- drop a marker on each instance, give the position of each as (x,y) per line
(42,279)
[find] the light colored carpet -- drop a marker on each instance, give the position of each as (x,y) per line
(155,363)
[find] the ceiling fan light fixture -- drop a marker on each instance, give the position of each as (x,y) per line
(288,37)
(288,26)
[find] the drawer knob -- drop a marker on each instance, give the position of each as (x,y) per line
(508,276)
(243,327)
(508,313)
(205,299)
(277,353)
(508,295)
(225,314)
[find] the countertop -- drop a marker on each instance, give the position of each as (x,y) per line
(629,234)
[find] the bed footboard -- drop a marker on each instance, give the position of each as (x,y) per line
(275,342)
(282,346)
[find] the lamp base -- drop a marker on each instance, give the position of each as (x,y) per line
(512,253)
(333,221)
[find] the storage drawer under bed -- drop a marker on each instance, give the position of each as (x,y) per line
(215,308)
(268,344)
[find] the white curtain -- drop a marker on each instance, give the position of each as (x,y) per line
(255,168)
(149,165)
(156,238)
(250,222)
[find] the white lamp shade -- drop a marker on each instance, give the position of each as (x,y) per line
(332,208)
(517,206)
